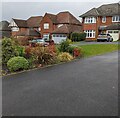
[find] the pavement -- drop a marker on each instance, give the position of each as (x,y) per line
(85,87)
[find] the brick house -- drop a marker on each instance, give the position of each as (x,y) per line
(59,27)
(5,31)
(26,28)
(104,19)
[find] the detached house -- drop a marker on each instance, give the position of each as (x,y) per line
(59,27)
(26,28)
(104,19)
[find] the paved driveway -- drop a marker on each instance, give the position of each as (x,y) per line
(89,43)
(85,87)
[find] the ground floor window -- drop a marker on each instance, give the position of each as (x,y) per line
(59,35)
(90,33)
(46,36)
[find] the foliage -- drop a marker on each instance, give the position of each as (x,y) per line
(24,41)
(8,50)
(78,36)
(64,57)
(71,49)
(42,55)
(77,52)
(17,63)
(64,46)
(20,50)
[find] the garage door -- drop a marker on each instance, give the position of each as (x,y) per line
(58,38)
(114,34)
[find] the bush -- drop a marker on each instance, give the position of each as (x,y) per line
(8,50)
(71,49)
(64,46)
(77,52)
(20,50)
(78,36)
(24,41)
(17,63)
(64,57)
(42,55)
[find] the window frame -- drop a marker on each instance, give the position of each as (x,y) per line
(90,20)
(90,33)
(46,26)
(116,18)
(104,19)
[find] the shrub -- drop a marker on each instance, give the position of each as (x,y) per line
(77,52)
(42,55)
(64,57)
(20,50)
(64,46)
(78,36)
(24,41)
(17,63)
(71,49)
(8,50)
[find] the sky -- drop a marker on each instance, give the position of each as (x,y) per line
(27,8)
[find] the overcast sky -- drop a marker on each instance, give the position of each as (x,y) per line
(24,10)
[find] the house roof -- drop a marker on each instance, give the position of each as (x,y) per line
(20,23)
(34,21)
(52,17)
(4,26)
(63,18)
(92,12)
(29,32)
(67,17)
(67,28)
(115,26)
(104,10)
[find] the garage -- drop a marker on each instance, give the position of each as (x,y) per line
(114,31)
(57,38)
(115,34)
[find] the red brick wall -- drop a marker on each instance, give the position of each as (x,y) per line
(95,26)
(51,25)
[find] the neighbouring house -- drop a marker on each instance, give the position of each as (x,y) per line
(5,31)
(59,27)
(26,28)
(104,19)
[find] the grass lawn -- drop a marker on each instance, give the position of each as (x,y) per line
(95,49)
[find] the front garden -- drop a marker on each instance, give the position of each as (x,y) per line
(17,57)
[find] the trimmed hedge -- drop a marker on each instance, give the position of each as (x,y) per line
(78,36)
(17,63)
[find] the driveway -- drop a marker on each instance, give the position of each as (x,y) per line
(86,87)
(89,43)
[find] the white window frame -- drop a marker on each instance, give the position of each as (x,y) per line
(46,25)
(46,36)
(103,19)
(90,33)
(15,29)
(116,18)
(90,20)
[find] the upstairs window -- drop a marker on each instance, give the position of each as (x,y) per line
(116,18)
(90,20)
(15,29)
(103,19)
(46,25)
